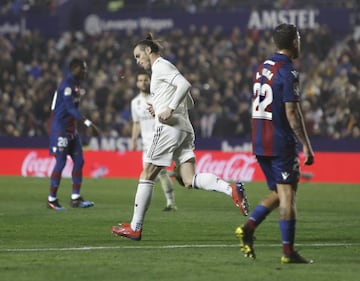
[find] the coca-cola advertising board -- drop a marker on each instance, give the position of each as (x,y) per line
(232,166)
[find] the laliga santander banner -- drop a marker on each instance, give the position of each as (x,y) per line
(231,166)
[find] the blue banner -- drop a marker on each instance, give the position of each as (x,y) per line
(73,18)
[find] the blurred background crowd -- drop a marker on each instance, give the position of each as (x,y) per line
(189,6)
(219,64)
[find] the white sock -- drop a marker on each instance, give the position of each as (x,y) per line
(142,202)
(167,187)
(51,199)
(211,182)
(75,196)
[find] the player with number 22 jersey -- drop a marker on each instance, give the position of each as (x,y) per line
(275,83)
(278,125)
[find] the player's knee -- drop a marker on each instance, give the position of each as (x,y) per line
(162,173)
(60,163)
(79,163)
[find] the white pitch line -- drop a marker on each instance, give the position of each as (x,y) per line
(96,248)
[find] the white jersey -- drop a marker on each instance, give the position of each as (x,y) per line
(163,91)
(139,113)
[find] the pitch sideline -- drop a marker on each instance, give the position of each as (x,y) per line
(96,248)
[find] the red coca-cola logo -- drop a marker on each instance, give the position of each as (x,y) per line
(35,166)
(238,167)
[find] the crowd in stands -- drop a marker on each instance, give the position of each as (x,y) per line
(219,64)
(189,6)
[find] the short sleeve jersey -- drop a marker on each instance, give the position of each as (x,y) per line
(140,113)
(275,83)
(162,92)
(64,107)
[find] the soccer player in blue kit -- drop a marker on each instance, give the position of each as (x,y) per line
(277,125)
(64,137)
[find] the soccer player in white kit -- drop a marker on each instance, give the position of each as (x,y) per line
(143,124)
(173,138)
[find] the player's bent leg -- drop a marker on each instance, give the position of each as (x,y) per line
(142,202)
(185,173)
(167,187)
(211,182)
(133,230)
(55,178)
(287,221)
(77,201)
(246,241)
(239,197)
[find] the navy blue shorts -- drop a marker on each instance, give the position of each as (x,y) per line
(280,170)
(66,145)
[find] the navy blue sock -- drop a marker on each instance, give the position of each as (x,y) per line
(55,177)
(257,216)
(76,174)
(287,229)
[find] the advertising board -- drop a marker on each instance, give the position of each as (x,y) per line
(329,167)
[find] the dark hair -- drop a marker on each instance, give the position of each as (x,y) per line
(149,42)
(75,63)
(143,72)
(284,35)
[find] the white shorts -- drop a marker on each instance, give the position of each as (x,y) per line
(170,144)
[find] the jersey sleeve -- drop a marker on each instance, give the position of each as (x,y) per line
(134,115)
(291,85)
(69,103)
(166,72)
(171,75)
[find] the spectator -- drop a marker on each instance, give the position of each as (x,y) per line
(217,63)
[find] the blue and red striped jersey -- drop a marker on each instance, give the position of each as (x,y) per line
(275,82)
(64,107)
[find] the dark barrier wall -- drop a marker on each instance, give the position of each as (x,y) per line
(73,18)
(218,144)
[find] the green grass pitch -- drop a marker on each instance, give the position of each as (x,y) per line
(195,243)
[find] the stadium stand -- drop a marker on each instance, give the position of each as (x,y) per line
(219,65)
